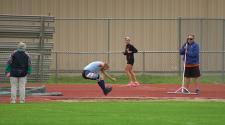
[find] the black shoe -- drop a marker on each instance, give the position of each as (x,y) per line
(197,91)
(107,90)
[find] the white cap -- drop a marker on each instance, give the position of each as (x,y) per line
(22,46)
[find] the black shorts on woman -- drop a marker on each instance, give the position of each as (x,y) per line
(130,61)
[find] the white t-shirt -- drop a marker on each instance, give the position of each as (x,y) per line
(94,66)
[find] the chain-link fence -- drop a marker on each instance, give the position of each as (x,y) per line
(158,41)
(158,51)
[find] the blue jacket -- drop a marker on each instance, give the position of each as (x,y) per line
(192,56)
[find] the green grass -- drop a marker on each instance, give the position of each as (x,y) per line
(146,79)
(114,113)
(120,79)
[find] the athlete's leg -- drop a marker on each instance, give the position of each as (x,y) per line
(99,77)
(127,71)
(133,76)
(94,76)
(101,83)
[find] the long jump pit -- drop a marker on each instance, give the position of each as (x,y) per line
(121,92)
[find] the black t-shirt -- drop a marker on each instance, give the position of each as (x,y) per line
(130,56)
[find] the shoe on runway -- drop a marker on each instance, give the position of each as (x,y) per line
(131,84)
(107,90)
(137,83)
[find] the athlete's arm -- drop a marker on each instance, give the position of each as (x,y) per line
(107,75)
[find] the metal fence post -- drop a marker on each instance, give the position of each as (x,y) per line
(223,51)
(200,42)
(38,68)
(56,65)
(179,43)
(42,25)
(143,62)
(108,47)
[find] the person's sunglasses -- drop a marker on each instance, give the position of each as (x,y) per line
(190,39)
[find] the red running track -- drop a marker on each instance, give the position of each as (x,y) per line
(120,91)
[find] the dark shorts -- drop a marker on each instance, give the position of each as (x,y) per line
(90,75)
(192,72)
(130,61)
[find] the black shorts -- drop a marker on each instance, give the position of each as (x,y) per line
(90,75)
(130,61)
(192,72)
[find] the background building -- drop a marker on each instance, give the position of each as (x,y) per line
(154,25)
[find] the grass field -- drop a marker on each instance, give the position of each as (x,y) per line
(117,113)
(148,79)
(114,113)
